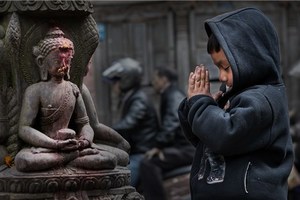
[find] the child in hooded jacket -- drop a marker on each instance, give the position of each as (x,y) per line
(243,146)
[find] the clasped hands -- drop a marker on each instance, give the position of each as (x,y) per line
(155,152)
(71,144)
(199,84)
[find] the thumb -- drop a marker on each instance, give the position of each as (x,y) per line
(217,95)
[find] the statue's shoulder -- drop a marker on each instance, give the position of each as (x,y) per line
(39,86)
(75,88)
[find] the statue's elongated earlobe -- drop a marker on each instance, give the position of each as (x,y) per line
(43,69)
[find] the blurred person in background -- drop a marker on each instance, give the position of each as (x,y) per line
(172,150)
(138,122)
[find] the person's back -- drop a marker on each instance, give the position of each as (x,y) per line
(138,122)
(244,149)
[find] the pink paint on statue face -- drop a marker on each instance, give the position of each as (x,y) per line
(59,61)
(65,57)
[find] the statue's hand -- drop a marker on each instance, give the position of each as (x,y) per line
(65,133)
(83,143)
(67,145)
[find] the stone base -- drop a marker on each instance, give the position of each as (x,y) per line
(67,183)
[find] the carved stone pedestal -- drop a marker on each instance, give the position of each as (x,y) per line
(67,183)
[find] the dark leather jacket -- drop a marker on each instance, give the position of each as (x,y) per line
(170,133)
(139,122)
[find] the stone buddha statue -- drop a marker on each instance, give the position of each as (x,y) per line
(54,124)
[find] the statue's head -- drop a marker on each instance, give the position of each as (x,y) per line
(54,54)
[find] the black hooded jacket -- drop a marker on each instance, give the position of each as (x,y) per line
(243,152)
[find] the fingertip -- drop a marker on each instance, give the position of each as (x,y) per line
(202,66)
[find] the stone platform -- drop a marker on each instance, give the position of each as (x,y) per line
(67,184)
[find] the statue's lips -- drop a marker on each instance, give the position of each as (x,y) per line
(63,69)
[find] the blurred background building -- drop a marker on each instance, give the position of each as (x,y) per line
(171,33)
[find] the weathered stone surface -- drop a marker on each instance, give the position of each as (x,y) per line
(67,183)
(45,7)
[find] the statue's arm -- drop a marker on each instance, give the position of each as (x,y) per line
(102,132)
(29,110)
(110,137)
(84,130)
(90,107)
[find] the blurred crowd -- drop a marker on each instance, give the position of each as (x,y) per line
(158,145)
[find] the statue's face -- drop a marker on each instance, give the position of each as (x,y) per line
(58,61)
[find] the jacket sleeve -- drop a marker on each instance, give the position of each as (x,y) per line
(243,128)
(187,130)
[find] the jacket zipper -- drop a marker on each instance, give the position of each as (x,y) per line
(245,177)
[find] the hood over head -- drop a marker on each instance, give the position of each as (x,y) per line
(250,43)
